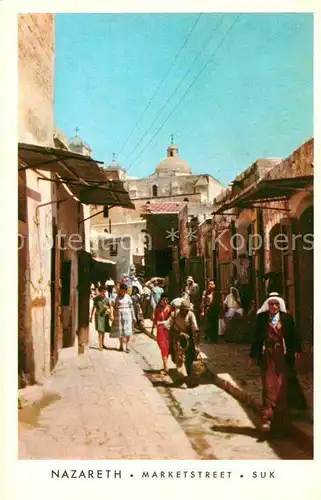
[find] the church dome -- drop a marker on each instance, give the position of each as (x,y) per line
(77,145)
(173,164)
(77,142)
(114,165)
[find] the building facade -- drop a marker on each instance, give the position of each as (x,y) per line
(35,66)
(57,181)
(264,234)
(171,181)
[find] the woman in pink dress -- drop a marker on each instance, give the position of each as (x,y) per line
(161,314)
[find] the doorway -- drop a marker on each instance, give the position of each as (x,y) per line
(305,274)
(163,262)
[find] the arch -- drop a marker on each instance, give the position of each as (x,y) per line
(155,190)
(305,202)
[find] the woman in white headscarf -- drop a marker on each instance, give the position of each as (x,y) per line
(275,348)
(265,305)
(233,304)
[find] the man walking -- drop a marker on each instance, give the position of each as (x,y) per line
(184,336)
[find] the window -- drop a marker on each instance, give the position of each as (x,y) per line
(113,249)
(155,190)
(175,188)
(171,153)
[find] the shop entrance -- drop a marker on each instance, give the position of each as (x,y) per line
(163,262)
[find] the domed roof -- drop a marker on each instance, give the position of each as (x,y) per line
(173,164)
(114,165)
(76,141)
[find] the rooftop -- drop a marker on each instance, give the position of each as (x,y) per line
(163,207)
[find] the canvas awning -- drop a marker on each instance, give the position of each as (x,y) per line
(104,261)
(266,190)
(83,176)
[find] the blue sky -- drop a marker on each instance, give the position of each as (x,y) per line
(253,99)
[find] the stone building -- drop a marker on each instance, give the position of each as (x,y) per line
(35,66)
(168,250)
(55,188)
(113,250)
(171,181)
(268,213)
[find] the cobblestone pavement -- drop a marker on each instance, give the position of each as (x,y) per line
(229,360)
(232,358)
(100,406)
(217,425)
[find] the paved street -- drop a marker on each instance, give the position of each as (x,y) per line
(100,406)
(217,425)
(103,405)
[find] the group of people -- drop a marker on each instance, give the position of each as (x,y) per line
(114,312)
(275,345)
(119,308)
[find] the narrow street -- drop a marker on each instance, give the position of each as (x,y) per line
(217,425)
(100,406)
(198,211)
(112,405)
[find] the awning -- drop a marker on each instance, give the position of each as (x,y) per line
(266,190)
(104,261)
(84,177)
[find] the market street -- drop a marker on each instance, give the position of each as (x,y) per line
(102,406)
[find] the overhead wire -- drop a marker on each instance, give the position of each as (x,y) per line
(187,91)
(150,102)
(208,40)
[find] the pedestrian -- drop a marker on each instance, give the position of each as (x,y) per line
(137,305)
(271,295)
(146,301)
(93,291)
(157,291)
(232,303)
(177,302)
(275,346)
(161,314)
(183,336)
(124,317)
(210,311)
(192,292)
(111,291)
(102,310)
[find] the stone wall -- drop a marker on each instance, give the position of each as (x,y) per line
(172,186)
(129,222)
(35,65)
(297,164)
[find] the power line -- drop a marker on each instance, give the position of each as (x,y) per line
(179,84)
(160,85)
(188,89)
